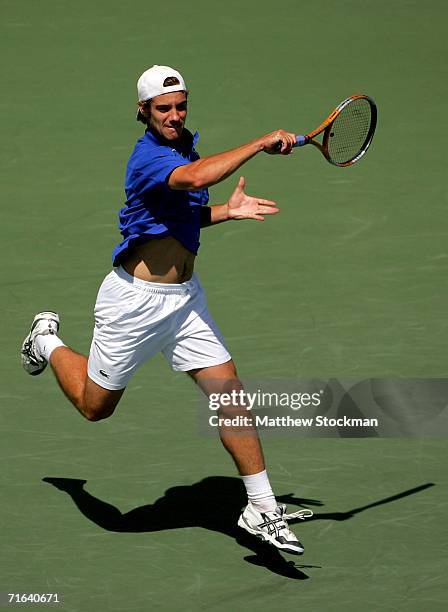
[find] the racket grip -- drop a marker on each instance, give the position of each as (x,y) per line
(300,141)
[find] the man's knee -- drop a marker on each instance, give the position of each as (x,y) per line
(233,387)
(98,413)
(100,403)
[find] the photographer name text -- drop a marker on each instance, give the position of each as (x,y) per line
(288,421)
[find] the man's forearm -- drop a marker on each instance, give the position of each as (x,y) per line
(210,170)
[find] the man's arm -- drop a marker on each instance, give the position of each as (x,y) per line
(240,206)
(210,170)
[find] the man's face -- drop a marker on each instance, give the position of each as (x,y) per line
(167,115)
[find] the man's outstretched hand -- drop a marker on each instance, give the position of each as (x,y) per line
(243,206)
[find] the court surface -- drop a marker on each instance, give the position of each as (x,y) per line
(349,280)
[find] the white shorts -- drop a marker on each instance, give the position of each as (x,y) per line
(135,319)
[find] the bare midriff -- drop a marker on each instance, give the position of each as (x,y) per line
(163,260)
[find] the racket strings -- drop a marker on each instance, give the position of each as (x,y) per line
(349,133)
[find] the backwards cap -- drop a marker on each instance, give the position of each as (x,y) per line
(159,80)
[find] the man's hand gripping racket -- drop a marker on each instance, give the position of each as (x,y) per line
(347,132)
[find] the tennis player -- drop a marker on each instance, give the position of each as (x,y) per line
(152,300)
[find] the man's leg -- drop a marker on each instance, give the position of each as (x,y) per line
(92,401)
(262,516)
(43,346)
(243,444)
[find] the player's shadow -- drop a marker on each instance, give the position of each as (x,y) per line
(213,503)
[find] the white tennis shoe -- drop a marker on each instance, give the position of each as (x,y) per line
(43,323)
(272,527)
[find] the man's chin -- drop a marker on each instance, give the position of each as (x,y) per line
(172,135)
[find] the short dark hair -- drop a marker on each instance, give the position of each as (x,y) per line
(170,81)
(140,116)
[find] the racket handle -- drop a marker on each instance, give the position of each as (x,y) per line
(300,141)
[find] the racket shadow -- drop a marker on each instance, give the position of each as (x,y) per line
(348,514)
(214,503)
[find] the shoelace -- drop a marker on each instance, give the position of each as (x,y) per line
(300,514)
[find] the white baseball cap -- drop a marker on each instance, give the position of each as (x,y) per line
(159,80)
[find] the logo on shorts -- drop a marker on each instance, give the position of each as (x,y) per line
(103,373)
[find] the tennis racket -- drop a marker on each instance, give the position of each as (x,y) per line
(347,131)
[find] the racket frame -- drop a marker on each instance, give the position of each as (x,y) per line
(326,126)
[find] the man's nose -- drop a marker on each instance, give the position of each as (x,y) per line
(174,115)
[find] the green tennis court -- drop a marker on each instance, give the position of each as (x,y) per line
(349,280)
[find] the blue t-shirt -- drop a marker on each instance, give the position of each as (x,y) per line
(152,209)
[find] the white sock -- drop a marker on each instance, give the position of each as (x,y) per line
(259,491)
(46,343)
